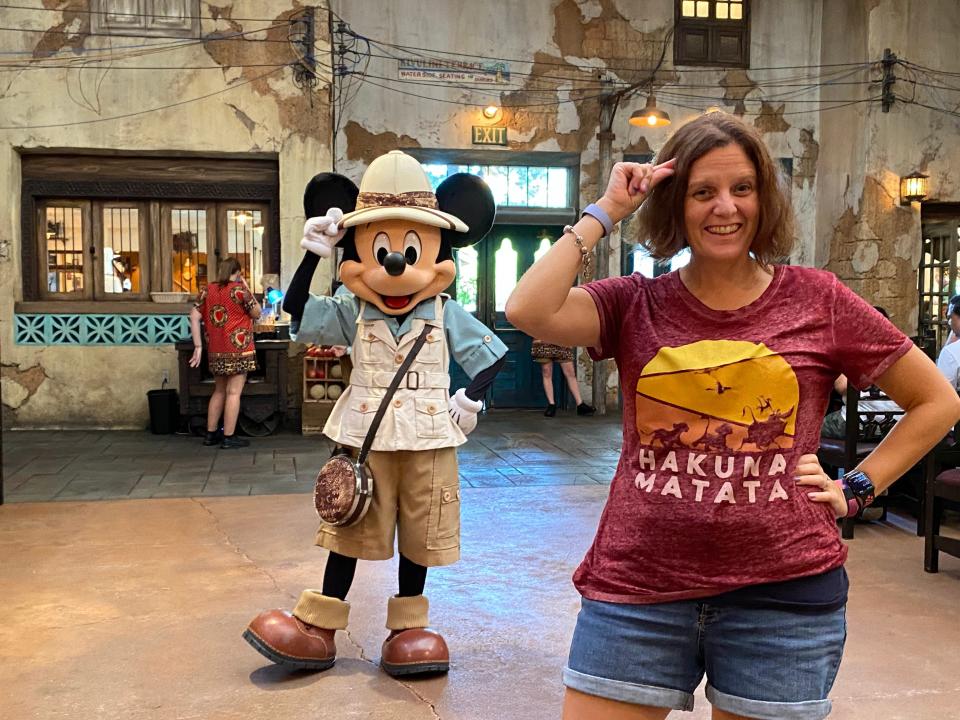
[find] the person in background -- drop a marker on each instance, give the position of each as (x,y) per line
(546,354)
(717,551)
(227,309)
(948,361)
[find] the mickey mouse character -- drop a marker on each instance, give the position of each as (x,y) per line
(397,238)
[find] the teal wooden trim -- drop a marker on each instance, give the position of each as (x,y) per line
(79,329)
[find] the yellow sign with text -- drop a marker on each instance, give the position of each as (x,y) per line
(489,135)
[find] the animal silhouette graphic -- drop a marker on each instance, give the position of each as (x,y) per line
(669,438)
(764,433)
(717,441)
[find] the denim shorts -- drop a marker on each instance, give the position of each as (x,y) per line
(760,663)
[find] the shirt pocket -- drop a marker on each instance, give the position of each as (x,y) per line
(359,415)
(432,417)
(431,354)
(374,352)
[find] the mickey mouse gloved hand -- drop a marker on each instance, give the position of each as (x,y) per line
(464,411)
(321,233)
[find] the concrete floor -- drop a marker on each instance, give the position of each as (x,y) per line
(134,609)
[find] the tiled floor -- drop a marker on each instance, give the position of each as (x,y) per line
(508,448)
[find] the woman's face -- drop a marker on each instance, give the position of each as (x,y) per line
(721,207)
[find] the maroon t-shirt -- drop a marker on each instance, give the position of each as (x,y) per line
(718,406)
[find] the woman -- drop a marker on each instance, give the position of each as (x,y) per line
(546,354)
(720,525)
(227,309)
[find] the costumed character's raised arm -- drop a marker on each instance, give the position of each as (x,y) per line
(327,197)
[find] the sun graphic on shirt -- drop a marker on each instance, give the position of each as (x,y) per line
(717,396)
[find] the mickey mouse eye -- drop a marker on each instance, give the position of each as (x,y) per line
(381,247)
(411,247)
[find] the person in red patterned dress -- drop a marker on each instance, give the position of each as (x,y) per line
(227,309)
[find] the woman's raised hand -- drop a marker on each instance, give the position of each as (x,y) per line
(630,183)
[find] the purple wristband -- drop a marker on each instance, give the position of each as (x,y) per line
(598,214)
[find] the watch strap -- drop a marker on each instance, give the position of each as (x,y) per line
(600,215)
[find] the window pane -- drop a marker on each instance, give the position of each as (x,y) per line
(703,8)
(122,259)
(467,272)
(680,259)
(517,186)
(436,172)
(497,179)
(245,243)
(557,194)
(537,187)
(189,249)
(736,11)
(642,262)
(506,272)
(722,12)
(688,8)
(65,251)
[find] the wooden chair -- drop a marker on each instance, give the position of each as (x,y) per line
(942,483)
(863,432)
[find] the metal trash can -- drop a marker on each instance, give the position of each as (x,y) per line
(164,411)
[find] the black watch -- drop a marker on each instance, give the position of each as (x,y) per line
(857,485)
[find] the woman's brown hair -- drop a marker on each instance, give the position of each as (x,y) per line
(661,217)
(227,267)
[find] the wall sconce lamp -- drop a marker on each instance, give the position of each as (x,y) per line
(651,115)
(490,112)
(913,188)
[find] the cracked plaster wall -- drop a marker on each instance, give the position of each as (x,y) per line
(872,242)
(588,40)
(59,386)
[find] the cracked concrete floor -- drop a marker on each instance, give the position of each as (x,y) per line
(134,609)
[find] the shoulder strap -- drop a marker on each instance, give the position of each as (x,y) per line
(394,384)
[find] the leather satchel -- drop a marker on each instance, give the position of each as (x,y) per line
(344,486)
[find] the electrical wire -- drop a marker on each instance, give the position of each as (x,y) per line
(141,112)
(131,14)
(207,38)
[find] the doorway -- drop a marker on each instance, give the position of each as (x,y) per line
(486,275)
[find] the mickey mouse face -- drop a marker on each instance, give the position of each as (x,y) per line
(398,265)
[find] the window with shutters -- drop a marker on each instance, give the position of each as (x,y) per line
(712,32)
(165,18)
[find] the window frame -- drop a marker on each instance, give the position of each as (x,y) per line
(710,28)
(64,178)
(145,20)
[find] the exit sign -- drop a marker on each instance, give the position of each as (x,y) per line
(489,135)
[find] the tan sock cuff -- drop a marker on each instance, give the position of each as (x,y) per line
(318,609)
(408,612)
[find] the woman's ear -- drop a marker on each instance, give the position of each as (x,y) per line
(329,190)
(469,198)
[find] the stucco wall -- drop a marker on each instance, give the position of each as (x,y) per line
(57,386)
(586,40)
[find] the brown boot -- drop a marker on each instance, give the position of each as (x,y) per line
(289,640)
(412,648)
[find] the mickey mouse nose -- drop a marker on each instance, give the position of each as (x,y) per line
(394,263)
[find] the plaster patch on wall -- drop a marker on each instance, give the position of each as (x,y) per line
(247,121)
(19,386)
(366,146)
(568,120)
(640,146)
(591,9)
(805,165)
(865,257)
(770,118)
(736,86)
(71,32)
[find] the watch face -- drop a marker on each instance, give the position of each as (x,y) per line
(860,484)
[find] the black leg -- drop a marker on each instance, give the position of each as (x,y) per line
(338,575)
(412,578)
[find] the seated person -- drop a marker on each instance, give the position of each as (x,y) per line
(949,360)
(835,423)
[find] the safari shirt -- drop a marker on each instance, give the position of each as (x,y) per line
(718,408)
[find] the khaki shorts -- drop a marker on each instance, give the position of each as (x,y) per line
(416,495)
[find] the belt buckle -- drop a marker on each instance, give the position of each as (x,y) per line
(416,377)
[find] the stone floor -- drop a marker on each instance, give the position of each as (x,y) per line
(133,608)
(508,448)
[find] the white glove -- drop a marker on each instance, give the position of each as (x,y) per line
(321,233)
(464,411)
